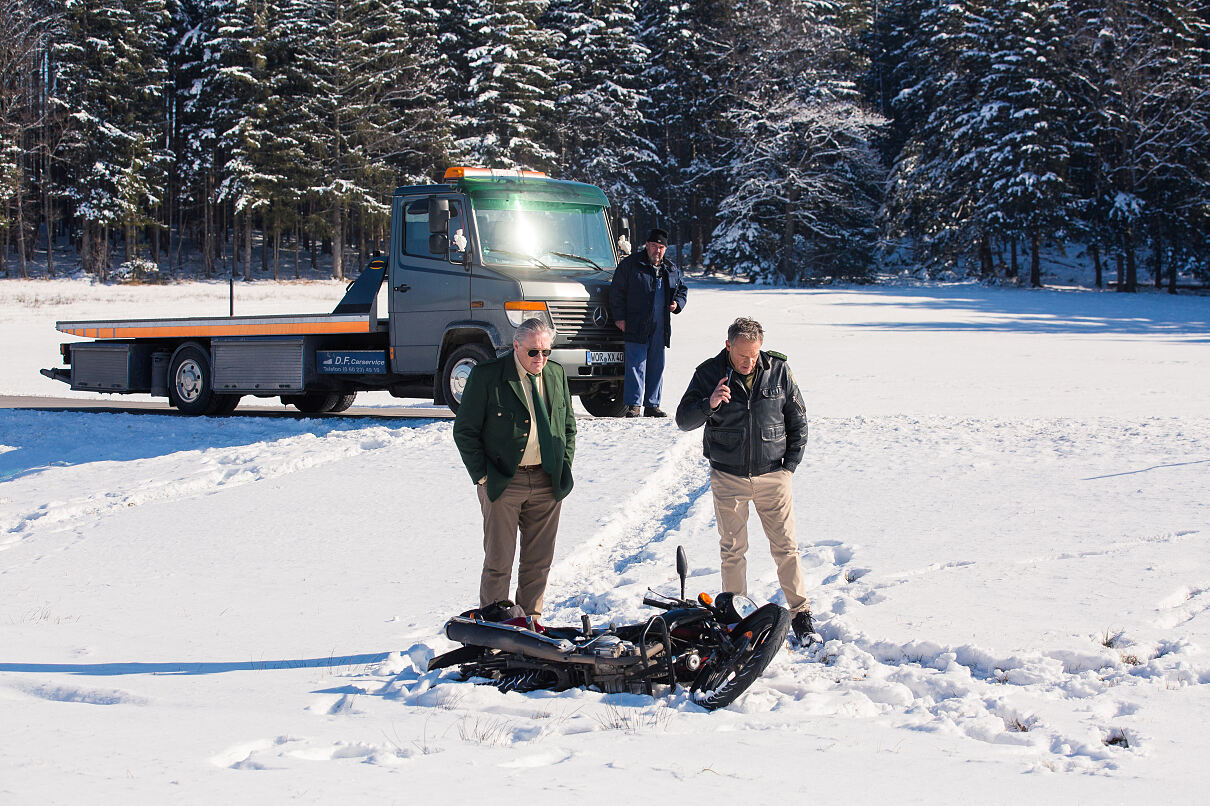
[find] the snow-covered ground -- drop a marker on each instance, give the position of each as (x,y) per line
(1003,517)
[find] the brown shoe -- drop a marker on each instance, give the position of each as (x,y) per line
(632,411)
(654,411)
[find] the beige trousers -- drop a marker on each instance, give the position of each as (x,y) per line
(773,498)
(527,505)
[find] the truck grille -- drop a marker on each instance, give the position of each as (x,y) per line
(586,323)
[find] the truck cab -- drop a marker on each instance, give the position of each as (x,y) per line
(474,257)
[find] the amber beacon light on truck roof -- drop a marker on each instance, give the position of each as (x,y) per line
(463,172)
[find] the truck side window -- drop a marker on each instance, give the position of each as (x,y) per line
(416,229)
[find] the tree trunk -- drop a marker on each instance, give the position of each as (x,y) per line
(696,253)
(787,240)
(21,222)
(1013,270)
(338,241)
(248,245)
(314,257)
(987,264)
(1132,269)
(103,256)
(1157,255)
(1171,276)
(48,214)
(1096,263)
(361,246)
(297,247)
(1035,267)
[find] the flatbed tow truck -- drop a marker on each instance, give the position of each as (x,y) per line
(469,260)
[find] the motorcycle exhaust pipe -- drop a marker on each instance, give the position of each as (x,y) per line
(508,638)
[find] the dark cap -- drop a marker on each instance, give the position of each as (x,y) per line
(658,236)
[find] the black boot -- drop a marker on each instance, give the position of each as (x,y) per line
(803,628)
(654,411)
(632,411)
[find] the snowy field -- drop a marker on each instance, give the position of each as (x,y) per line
(1003,517)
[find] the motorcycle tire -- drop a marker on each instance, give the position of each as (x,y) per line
(725,676)
(526,681)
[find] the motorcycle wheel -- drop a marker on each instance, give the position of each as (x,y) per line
(525,681)
(725,676)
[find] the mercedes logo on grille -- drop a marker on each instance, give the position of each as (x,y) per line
(599,317)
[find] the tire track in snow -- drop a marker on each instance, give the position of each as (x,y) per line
(111,486)
(631,543)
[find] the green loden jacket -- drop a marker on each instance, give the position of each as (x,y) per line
(492,425)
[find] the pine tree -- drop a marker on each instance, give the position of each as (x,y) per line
(803,173)
(1021,124)
(507,117)
(112,75)
(600,124)
(689,57)
(933,195)
(1146,112)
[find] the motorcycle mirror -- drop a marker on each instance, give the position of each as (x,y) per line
(682,567)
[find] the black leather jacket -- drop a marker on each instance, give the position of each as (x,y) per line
(752,434)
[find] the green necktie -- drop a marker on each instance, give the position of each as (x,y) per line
(546,441)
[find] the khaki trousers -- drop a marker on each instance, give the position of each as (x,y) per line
(527,505)
(773,498)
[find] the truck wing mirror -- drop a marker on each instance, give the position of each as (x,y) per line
(439,243)
(439,215)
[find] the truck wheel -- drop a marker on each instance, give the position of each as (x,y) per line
(458,368)
(189,388)
(312,402)
(344,403)
(604,401)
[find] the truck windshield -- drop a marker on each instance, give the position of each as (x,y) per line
(546,235)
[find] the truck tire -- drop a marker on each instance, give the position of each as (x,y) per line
(604,401)
(189,387)
(312,402)
(458,368)
(344,403)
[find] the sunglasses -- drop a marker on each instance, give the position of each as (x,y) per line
(534,353)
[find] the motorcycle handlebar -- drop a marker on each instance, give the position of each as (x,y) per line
(647,600)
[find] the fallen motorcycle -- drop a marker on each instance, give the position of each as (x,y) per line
(717,646)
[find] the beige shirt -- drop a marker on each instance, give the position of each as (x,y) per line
(533,452)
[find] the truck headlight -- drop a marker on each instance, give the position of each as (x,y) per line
(519,310)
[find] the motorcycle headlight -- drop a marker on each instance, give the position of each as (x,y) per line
(734,607)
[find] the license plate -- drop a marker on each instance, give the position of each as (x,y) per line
(602,357)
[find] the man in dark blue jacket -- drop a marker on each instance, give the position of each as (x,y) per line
(647,289)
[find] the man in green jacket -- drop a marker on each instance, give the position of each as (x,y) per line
(516,433)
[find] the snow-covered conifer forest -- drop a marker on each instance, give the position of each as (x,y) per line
(788,141)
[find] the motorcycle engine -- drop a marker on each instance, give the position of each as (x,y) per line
(610,646)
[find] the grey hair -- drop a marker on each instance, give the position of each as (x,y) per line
(535,326)
(746,328)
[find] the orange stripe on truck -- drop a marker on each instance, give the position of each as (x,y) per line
(191,330)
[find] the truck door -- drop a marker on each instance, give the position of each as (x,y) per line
(427,291)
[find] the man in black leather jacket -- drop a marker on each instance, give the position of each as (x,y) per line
(756,434)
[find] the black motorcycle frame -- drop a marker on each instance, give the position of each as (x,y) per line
(701,644)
